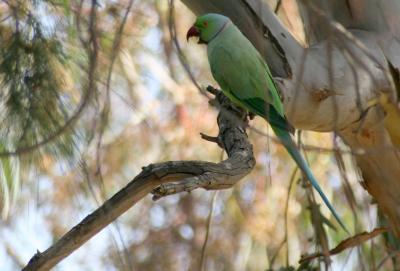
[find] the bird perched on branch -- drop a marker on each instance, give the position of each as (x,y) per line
(246,80)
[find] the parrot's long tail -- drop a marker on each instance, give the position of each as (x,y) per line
(290,146)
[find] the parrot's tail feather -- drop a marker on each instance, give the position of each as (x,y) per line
(290,146)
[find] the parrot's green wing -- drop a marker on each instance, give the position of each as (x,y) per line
(249,84)
(245,78)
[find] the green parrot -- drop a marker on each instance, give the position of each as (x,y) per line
(246,80)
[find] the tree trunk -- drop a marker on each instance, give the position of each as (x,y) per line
(346,81)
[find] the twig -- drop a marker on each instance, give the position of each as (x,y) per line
(286,239)
(278,6)
(391,255)
(181,56)
(350,242)
(209,218)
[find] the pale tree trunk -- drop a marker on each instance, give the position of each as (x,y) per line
(344,81)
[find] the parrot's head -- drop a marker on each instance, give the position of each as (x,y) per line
(207,27)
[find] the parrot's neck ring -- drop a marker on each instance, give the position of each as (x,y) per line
(225,26)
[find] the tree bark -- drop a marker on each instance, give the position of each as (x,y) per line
(337,83)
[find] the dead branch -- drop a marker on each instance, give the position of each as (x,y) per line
(163,179)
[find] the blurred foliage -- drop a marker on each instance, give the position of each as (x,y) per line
(143,108)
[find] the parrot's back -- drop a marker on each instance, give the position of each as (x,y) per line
(249,77)
(245,78)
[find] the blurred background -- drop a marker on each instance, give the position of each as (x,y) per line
(87,99)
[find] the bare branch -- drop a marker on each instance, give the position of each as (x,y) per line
(222,175)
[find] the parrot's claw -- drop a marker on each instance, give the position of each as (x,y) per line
(213,90)
(251,115)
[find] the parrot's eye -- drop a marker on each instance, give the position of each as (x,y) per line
(205,24)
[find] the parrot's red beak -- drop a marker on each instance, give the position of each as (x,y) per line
(192,32)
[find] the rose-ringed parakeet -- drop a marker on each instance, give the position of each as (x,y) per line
(245,78)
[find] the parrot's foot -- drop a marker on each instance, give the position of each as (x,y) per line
(206,181)
(213,90)
(232,138)
(251,115)
(233,111)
